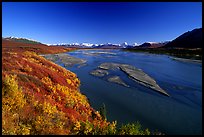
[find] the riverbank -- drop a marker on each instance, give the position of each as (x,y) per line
(186,60)
(191,54)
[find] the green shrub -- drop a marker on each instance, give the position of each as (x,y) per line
(132,129)
(103,112)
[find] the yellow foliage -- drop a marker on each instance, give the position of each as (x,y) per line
(27,68)
(13,102)
(24,129)
(47,80)
(33,60)
(77,126)
(48,108)
(50,120)
(76,81)
(13,98)
(53,69)
(69,81)
(30,53)
(73,97)
(88,128)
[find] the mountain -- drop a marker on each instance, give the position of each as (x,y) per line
(23,40)
(11,45)
(144,45)
(152,45)
(115,46)
(108,46)
(89,45)
(74,45)
(190,39)
(124,45)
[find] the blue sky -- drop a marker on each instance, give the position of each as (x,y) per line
(100,22)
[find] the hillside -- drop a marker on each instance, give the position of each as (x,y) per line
(151,45)
(190,39)
(14,46)
(42,98)
(23,40)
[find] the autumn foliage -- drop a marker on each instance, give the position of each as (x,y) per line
(14,46)
(40,97)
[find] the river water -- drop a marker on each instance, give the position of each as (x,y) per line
(181,113)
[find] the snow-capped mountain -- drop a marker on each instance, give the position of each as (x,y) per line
(135,44)
(124,45)
(108,45)
(87,44)
(90,45)
(76,45)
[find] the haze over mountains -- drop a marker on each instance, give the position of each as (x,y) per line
(190,39)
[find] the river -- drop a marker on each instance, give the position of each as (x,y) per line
(181,113)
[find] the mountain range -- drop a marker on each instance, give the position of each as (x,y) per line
(190,39)
(89,45)
(152,44)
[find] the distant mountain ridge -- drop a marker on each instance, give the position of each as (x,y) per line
(190,39)
(89,45)
(151,45)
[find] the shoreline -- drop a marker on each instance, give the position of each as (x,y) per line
(186,60)
(183,54)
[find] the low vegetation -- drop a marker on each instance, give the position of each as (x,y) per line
(22,40)
(16,46)
(42,98)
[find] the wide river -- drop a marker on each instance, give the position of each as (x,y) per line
(181,113)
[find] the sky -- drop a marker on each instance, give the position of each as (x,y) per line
(100,22)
